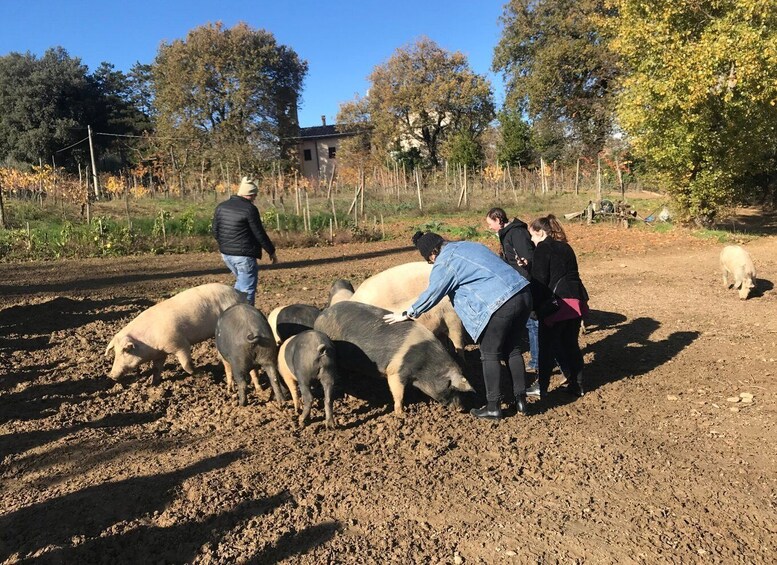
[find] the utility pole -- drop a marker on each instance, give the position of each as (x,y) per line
(94,166)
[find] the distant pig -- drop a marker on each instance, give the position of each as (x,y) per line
(290,320)
(302,358)
(245,342)
(404,353)
(341,290)
(171,327)
(734,260)
(398,287)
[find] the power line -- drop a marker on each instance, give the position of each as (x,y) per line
(143,136)
(69,146)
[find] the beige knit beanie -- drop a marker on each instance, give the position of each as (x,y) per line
(247,188)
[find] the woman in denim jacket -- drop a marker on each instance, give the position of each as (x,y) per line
(493,301)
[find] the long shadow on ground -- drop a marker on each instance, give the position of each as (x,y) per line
(91,282)
(92,511)
(13,443)
(629,351)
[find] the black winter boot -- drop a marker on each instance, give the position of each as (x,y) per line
(490,411)
(520,404)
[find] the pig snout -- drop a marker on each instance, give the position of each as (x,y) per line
(118,369)
(455,403)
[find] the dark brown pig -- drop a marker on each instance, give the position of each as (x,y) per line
(245,342)
(404,353)
(301,359)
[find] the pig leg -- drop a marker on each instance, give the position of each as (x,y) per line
(307,402)
(328,390)
(228,372)
(156,370)
(725,277)
(272,373)
(185,359)
(397,388)
(255,379)
(291,384)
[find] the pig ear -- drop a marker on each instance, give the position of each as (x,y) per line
(110,346)
(460,383)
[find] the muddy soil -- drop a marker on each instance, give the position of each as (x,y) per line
(663,461)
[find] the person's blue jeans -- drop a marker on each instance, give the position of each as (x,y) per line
(246,272)
(532,326)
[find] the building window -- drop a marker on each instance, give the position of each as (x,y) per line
(307,155)
(332,152)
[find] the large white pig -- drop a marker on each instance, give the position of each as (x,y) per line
(171,327)
(736,261)
(398,287)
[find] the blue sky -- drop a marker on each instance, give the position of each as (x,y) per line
(342,41)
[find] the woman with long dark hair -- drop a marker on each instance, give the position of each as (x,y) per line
(518,252)
(561,300)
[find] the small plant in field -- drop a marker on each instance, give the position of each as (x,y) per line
(160,226)
(468,232)
(186,221)
(63,239)
(431,226)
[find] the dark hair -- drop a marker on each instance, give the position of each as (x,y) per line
(551,226)
(499,215)
(428,243)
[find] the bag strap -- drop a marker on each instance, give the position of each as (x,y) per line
(561,278)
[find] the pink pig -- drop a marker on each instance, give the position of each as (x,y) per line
(171,327)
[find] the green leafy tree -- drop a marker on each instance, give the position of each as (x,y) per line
(118,112)
(423,95)
(464,149)
(47,103)
(515,147)
(559,66)
(699,100)
(235,90)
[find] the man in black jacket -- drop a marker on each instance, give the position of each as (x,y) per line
(240,234)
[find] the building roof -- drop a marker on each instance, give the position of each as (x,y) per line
(319,132)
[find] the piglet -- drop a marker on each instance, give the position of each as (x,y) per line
(302,358)
(290,320)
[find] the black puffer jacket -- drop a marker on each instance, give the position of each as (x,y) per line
(516,242)
(238,229)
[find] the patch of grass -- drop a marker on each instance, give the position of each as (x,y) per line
(161,225)
(662,227)
(721,236)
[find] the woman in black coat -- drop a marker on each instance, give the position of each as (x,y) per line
(554,272)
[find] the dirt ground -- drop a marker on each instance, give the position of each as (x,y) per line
(658,463)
